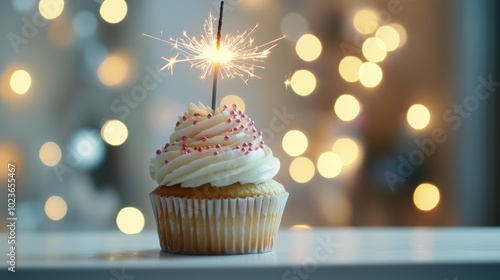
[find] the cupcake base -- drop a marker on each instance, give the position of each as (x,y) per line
(218,226)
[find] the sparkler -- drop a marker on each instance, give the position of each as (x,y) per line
(231,56)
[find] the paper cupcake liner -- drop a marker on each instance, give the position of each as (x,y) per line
(218,226)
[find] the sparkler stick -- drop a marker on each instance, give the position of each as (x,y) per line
(216,66)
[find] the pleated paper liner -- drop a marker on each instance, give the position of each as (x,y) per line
(218,226)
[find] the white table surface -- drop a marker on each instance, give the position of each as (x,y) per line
(324,253)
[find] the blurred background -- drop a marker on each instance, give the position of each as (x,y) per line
(383,112)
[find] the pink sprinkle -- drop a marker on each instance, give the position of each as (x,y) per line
(261,146)
(250,144)
(245,116)
(195,122)
(237,147)
(226,137)
(196,114)
(200,149)
(243,149)
(245,144)
(228,120)
(184,138)
(238,120)
(216,153)
(235,128)
(177,123)
(218,146)
(167,161)
(204,138)
(167,145)
(189,151)
(262,142)
(254,130)
(250,149)
(242,126)
(208,148)
(260,133)
(184,118)
(246,153)
(225,106)
(209,116)
(239,112)
(251,123)
(158,152)
(235,106)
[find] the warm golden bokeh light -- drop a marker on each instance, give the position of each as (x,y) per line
(389,35)
(370,74)
(401,32)
(349,68)
(329,165)
(426,197)
(418,116)
(347,107)
(347,149)
(50,9)
(55,208)
(365,21)
(20,81)
(294,143)
(114,132)
(234,99)
(308,47)
(130,220)
(300,227)
(302,170)
(113,11)
(374,49)
(303,82)
(50,154)
(113,70)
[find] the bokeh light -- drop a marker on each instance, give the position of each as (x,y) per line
(113,11)
(389,35)
(55,208)
(114,132)
(418,116)
(365,21)
(51,9)
(347,149)
(50,154)
(347,107)
(84,24)
(20,81)
(308,47)
(329,165)
(349,68)
(426,197)
(88,147)
(300,227)
(234,99)
(293,26)
(303,82)
(113,70)
(10,152)
(294,143)
(370,74)
(302,170)
(130,220)
(374,49)
(401,32)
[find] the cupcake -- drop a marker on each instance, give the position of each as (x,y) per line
(215,191)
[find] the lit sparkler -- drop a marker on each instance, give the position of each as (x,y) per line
(236,57)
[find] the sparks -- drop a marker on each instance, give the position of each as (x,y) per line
(237,56)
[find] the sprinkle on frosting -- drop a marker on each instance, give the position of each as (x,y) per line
(241,154)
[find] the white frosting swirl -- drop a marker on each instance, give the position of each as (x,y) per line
(220,149)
